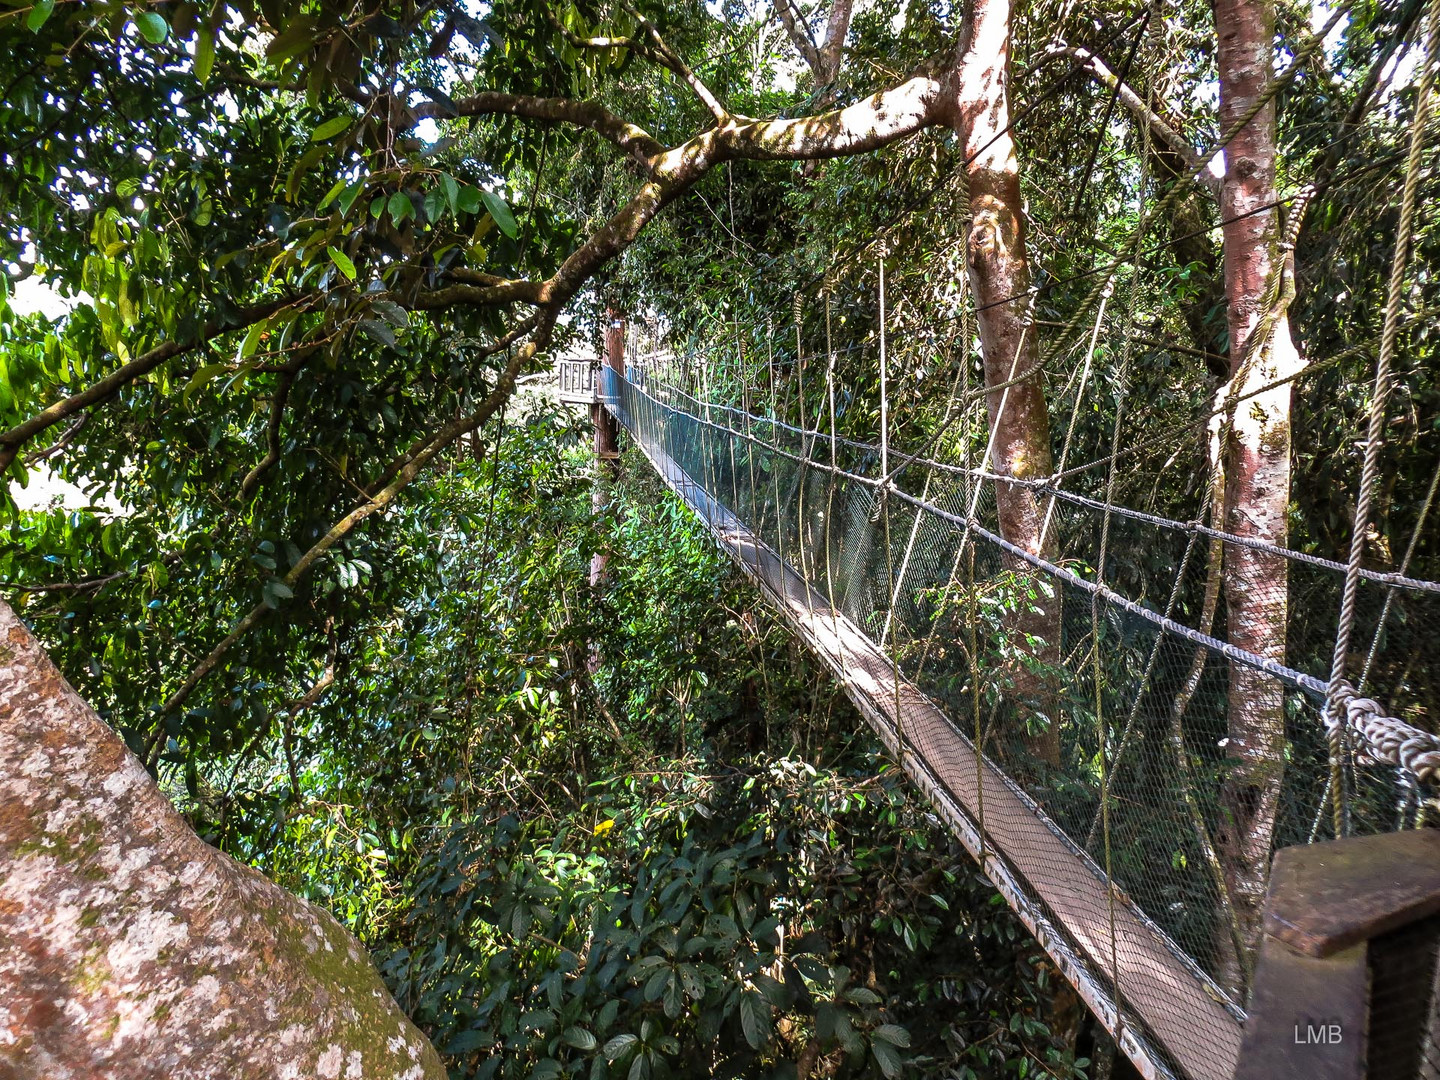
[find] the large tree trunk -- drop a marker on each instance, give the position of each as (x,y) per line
(130,948)
(607,440)
(1000,280)
(1257,468)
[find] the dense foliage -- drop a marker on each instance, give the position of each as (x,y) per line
(691,862)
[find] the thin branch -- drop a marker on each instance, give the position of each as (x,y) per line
(17,436)
(59,444)
(672,60)
(634,141)
(447,434)
(1092,65)
(799,34)
(273,429)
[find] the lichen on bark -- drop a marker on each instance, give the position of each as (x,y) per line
(134,949)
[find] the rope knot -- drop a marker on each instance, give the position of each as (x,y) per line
(1380,739)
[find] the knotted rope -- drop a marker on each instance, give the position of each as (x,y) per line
(1381,739)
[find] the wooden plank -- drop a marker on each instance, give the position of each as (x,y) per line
(1182,1010)
(1327,897)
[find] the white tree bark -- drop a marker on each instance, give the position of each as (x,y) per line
(130,948)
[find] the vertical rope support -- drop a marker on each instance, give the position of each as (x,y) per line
(749,435)
(972,614)
(1097,671)
(774,437)
(883,494)
(834,458)
(1375,433)
(884,396)
(801,530)
(1403,569)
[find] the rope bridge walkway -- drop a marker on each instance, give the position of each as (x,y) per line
(1125,715)
(900,582)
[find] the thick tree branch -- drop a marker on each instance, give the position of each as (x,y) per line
(59,444)
(833,48)
(876,121)
(447,434)
(273,428)
(672,60)
(634,141)
(798,31)
(822,59)
(656,51)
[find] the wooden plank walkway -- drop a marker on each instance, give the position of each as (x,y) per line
(1106,950)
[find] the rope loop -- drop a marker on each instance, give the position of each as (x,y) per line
(1380,739)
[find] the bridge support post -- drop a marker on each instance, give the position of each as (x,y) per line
(607,436)
(1346,985)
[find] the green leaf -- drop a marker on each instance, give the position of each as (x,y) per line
(342,262)
(153,26)
(391,312)
(893,1034)
(755,1018)
(452,192)
(331,195)
(888,1058)
(434,204)
(347,199)
(251,341)
(400,207)
(330,128)
(374,328)
(204,53)
(465,1042)
(618,1047)
(276,590)
(500,211)
(38,14)
(294,40)
(579,1038)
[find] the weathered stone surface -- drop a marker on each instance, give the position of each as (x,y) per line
(130,948)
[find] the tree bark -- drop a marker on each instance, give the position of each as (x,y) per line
(133,949)
(1000,279)
(1257,469)
(607,442)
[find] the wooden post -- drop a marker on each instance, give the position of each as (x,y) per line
(1346,983)
(607,436)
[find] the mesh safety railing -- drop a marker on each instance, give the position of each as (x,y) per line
(1100,705)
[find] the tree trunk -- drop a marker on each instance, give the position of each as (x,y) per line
(1257,469)
(607,440)
(133,949)
(1000,280)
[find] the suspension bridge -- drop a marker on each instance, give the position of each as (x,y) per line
(900,582)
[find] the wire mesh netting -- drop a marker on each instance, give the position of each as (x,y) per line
(1103,701)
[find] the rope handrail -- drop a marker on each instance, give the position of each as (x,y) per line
(1384,739)
(1047,486)
(1297,679)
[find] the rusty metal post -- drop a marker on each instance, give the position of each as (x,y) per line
(1346,981)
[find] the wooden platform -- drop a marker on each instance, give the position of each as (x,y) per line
(1171,1020)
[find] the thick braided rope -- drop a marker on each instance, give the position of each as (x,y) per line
(1381,739)
(1376,428)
